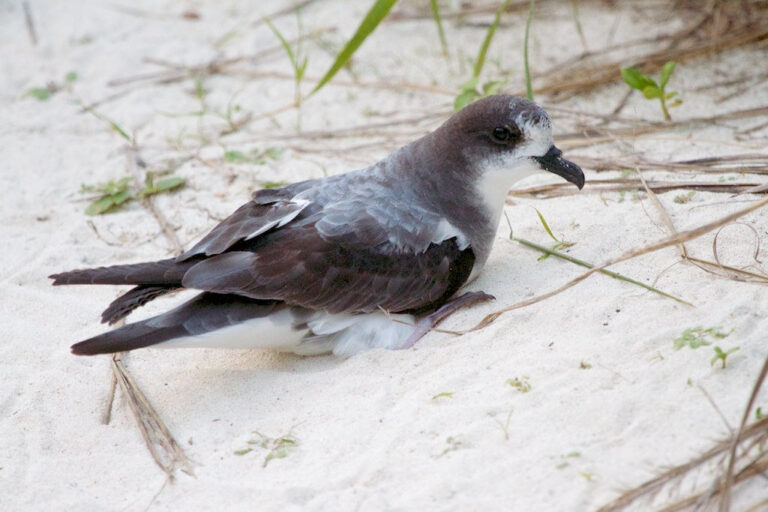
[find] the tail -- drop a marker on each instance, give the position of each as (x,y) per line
(196,323)
(134,298)
(157,273)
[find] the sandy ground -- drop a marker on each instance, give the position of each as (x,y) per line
(437,427)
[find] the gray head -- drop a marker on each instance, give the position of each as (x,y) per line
(507,138)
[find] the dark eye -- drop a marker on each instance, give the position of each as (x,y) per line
(502,135)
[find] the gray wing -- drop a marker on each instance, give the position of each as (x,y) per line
(268,209)
(349,257)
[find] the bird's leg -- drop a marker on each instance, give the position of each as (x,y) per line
(430,321)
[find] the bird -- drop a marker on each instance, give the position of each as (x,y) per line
(371,258)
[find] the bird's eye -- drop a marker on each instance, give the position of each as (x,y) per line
(501,135)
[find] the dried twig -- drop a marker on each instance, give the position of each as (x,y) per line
(725,496)
(163,447)
(683,236)
(30,22)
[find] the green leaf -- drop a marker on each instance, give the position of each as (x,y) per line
(528,86)
(636,79)
(666,73)
(492,87)
(651,91)
(273,184)
(71,77)
(378,12)
(273,153)
(99,206)
(670,95)
(283,43)
(721,355)
(243,451)
(439,23)
(469,85)
(546,227)
(121,197)
(480,60)
(120,131)
(169,183)
(464,99)
(234,156)
(39,93)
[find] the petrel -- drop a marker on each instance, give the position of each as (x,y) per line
(371,258)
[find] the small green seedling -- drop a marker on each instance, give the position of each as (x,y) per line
(453,444)
(759,414)
(638,80)
(114,194)
(297,57)
(469,91)
(564,459)
(444,394)
(277,448)
(254,156)
(722,355)
(522,385)
(559,244)
(504,426)
(152,187)
(684,198)
(45,93)
(696,337)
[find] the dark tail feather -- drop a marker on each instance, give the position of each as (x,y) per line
(158,273)
(204,313)
(134,298)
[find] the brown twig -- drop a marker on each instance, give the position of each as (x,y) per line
(164,449)
(682,236)
(725,496)
(30,22)
(755,431)
(662,211)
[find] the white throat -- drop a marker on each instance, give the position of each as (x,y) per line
(496,178)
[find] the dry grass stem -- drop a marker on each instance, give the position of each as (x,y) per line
(662,211)
(164,449)
(725,496)
(681,237)
(705,36)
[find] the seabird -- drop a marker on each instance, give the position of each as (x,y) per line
(371,258)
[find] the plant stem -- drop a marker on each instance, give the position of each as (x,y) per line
(528,87)
(583,263)
(667,117)
(439,23)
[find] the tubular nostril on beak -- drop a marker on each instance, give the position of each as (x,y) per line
(553,152)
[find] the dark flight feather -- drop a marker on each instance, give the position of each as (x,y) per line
(159,273)
(204,313)
(134,298)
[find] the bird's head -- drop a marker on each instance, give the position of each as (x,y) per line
(505,139)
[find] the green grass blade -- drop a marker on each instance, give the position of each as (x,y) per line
(480,60)
(439,23)
(583,263)
(528,86)
(377,13)
(284,43)
(546,226)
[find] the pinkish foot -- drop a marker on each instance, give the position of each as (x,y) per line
(430,321)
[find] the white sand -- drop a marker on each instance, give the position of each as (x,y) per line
(371,436)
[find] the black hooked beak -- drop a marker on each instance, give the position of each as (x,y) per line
(554,162)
